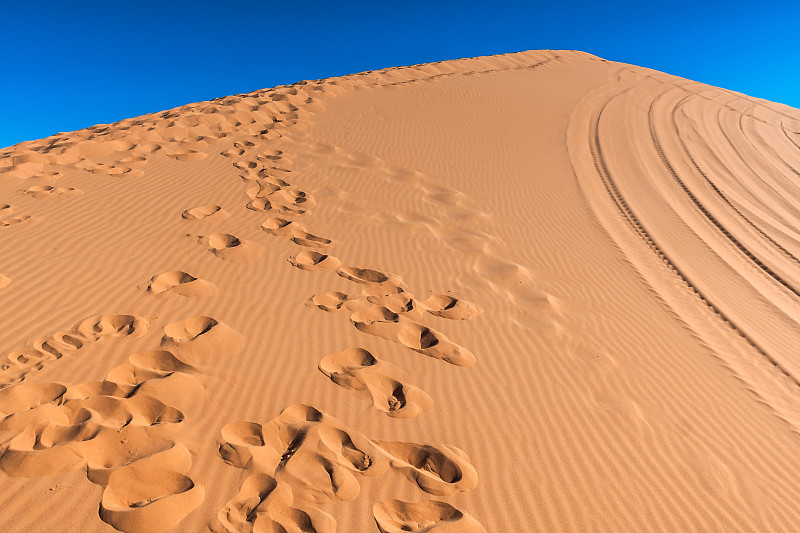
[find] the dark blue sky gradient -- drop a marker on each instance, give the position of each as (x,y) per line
(69,65)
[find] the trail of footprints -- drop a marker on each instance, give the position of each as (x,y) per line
(118,429)
(304,457)
(16,365)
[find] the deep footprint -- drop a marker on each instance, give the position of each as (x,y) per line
(441,471)
(206,211)
(181,283)
(231,248)
(314,261)
(383,322)
(445,306)
(396,516)
(359,370)
(313,453)
(263,504)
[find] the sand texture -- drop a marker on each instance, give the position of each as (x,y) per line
(532,292)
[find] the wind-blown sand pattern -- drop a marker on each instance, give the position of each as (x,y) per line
(531,292)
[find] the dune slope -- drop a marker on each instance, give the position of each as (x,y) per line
(532,292)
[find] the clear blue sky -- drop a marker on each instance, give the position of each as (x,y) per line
(68,65)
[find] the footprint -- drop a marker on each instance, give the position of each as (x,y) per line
(142,367)
(6,219)
(441,471)
(272,155)
(376,282)
(246,165)
(182,283)
(259,204)
(206,211)
(16,365)
(188,155)
(26,455)
(401,303)
(280,226)
(258,493)
(290,519)
(120,450)
(233,152)
(432,343)
(49,191)
(359,370)
(114,432)
(311,457)
(201,339)
(331,301)
(145,500)
(263,504)
(94,328)
(13,221)
(134,160)
(382,322)
(110,170)
(275,193)
(4,281)
(291,201)
(445,306)
(230,248)
(265,186)
(50,429)
(396,516)
(309,240)
(311,261)
(363,275)
(161,362)
(27,396)
(136,410)
(306,449)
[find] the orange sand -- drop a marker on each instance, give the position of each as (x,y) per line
(531,292)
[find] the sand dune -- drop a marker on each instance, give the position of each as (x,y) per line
(532,292)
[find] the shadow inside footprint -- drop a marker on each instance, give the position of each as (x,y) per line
(201,338)
(231,248)
(357,369)
(311,261)
(396,516)
(445,306)
(206,211)
(182,283)
(141,500)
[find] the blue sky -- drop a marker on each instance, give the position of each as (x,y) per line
(68,65)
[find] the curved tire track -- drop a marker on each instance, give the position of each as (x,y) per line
(624,208)
(711,218)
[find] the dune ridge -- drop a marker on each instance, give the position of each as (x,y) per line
(571,286)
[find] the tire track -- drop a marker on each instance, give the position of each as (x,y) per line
(711,218)
(719,192)
(704,210)
(624,208)
(774,153)
(786,133)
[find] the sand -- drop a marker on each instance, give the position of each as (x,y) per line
(532,292)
